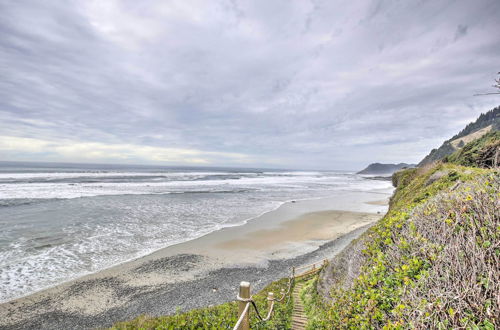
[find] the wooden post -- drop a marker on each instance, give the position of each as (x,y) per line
(270,298)
(293,272)
(495,160)
(245,294)
(324,263)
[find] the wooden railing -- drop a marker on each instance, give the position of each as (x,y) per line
(310,269)
(245,299)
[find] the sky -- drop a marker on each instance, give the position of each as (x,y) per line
(284,84)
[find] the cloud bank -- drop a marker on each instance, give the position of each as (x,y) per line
(291,84)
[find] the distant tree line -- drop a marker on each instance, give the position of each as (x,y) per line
(491,117)
(496,86)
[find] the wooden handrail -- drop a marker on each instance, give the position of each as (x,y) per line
(245,299)
(315,263)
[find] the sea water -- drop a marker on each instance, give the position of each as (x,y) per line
(62,221)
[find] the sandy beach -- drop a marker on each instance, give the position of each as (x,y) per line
(204,271)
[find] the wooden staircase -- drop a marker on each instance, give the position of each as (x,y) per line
(299,317)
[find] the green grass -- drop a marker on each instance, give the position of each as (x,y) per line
(223,316)
(312,301)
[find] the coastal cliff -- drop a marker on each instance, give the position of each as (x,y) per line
(432,261)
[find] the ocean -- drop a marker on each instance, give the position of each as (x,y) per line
(62,221)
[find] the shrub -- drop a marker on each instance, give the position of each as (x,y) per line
(480,152)
(436,233)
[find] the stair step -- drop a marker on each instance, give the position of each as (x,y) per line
(299,317)
(299,323)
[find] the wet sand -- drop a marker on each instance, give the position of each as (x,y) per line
(201,272)
(379,202)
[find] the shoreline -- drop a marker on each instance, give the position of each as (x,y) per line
(243,223)
(216,260)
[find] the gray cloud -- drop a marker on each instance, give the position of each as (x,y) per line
(461,31)
(297,84)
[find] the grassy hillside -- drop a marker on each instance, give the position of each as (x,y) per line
(486,121)
(482,152)
(432,262)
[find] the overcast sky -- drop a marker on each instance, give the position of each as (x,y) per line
(286,84)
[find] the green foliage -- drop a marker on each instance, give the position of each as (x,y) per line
(458,234)
(491,117)
(223,316)
(314,306)
(478,152)
(399,256)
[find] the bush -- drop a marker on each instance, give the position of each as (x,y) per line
(480,152)
(432,261)
(456,236)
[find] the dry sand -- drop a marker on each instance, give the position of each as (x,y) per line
(197,273)
(317,226)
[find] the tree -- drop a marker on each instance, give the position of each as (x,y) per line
(496,85)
